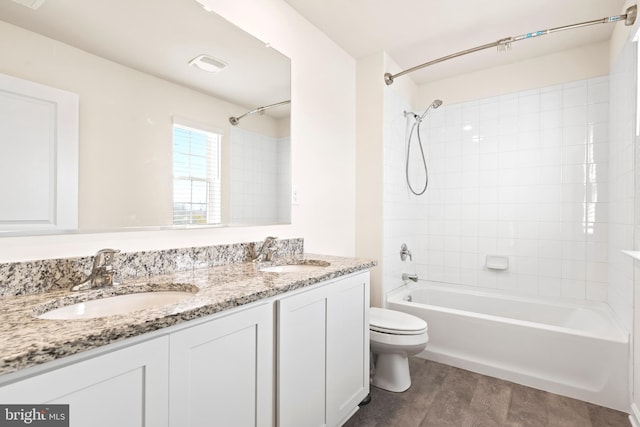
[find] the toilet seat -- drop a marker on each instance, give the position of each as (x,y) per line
(395,322)
(394,337)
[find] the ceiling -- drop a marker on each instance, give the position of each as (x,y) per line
(416,31)
(145,35)
(411,32)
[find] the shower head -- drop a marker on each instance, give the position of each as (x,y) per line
(435,104)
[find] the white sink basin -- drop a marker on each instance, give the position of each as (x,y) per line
(120,304)
(294,268)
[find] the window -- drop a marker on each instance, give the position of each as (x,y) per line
(196,176)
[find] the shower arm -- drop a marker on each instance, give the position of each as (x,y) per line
(629,18)
(235,120)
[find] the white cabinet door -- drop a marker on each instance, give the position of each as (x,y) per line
(124,388)
(347,347)
(301,359)
(221,372)
(323,353)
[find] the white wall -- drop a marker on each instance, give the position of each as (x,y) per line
(382,222)
(574,64)
(323,128)
(323,150)
(620,35)
(369,164)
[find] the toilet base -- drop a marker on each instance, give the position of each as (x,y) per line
(392,372)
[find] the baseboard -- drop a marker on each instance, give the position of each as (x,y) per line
(634,417)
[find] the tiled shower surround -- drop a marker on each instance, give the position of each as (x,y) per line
(524,175)
(260,178)
(622,172)
(32,277)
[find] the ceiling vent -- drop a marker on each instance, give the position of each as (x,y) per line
(31,4)
(208,63)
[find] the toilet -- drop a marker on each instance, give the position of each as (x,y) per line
(394,336)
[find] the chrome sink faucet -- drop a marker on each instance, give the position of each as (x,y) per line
(102,273)
(266,251)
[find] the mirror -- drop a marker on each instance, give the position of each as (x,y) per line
(128,63)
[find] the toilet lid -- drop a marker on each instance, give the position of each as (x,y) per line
(395,322)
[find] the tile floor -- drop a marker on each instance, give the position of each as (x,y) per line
(444,396)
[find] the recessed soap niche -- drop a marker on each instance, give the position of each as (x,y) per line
(497,262)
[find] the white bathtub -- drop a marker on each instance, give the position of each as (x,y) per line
(565,348)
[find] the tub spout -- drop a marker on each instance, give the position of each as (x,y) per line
(412,277)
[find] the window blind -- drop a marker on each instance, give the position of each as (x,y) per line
(196,176)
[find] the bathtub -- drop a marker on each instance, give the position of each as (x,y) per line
(576,350)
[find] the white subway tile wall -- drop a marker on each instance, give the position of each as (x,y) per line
(534,182)
(401,219)
(621,187)
(260,190)
(523,175)
(283,179)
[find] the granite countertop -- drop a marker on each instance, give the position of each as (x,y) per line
(26,340)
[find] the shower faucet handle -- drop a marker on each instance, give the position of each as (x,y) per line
(405,252)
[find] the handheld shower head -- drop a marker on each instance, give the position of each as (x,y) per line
(416,126)
(435,104)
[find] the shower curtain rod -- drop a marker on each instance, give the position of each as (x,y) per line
(629,18)
(235,120)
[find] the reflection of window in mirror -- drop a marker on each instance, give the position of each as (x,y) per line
(196,176)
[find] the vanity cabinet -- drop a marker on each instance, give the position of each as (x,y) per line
(222,371)
(216,372)
(311,345)
(323,353)
(125,388)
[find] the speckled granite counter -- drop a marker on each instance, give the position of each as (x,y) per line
(27,341)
